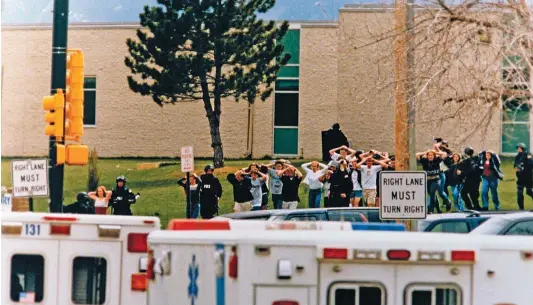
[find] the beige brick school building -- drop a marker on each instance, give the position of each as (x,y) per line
(327,81)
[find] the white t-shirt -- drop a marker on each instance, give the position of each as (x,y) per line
(100,203)
(356,185)
(369,176)
(336,157)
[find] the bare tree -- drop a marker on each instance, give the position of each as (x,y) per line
(471,60)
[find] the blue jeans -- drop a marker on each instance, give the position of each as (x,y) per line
(433,187)
(315,197)
(442,190)
(195,210)
(457,199)
(277,201)
(492,184)
(257,208)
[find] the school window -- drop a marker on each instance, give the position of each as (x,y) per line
(515,108)
(433,295)
(356,294)
(27,278)
(89,100)
(89,277)
(286,98)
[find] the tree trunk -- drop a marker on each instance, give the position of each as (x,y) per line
(216,140)
(214,124)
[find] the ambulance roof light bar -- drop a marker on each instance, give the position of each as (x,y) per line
(198,225)
(373,226)
(60,218)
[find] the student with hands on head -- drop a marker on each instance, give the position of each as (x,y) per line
(430,161)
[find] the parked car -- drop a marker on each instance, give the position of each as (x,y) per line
(457,222)
(332,214)
(251,215)
(322,214)
(509,224)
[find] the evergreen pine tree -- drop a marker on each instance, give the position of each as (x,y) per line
(206,50)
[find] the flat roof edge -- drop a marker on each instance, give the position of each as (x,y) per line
(92,25)
(320,25)
(366,10)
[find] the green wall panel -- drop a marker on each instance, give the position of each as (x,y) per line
(291,44)
(513,134)
(285,141)
(291,71)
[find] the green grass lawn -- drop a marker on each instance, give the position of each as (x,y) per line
(160,192)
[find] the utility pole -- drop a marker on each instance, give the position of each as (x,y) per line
(59,62)
(411,84)
(404,132)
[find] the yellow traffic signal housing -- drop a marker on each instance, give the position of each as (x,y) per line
(55,118)
(74,94)
(77,154)
(60,154)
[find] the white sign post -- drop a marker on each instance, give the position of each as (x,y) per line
(402,195)
(187,159)
(30,177)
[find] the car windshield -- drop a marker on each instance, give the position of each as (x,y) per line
(492,226)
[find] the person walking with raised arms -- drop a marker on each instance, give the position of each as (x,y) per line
(314,170)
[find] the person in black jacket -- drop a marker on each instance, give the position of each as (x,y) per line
(472,178)
(431,161)
(341,185)
(82,205)
(491,174)
(195,194)
(122,198)
(523,164)
(454,179)
(241,191)
(210,193)
(291,178)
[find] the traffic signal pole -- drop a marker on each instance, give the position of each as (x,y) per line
(59,61)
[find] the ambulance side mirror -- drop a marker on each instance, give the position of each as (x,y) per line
(219,262)
(162,264)
(166,262)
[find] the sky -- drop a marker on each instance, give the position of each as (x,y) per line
(40,11)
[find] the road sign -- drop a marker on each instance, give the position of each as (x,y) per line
(7,205)
(187,159)
(30,177)
(402,195)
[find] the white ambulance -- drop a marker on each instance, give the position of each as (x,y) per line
(287,266)
(60,259)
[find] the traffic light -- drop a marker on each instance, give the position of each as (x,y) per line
(55,104)
(60,154)
(74,94)
(77,154)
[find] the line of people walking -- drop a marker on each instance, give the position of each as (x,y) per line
(351,179)
(465,173)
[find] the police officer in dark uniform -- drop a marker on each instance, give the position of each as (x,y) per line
(523,164)
(83,205)
(121,198)
(210,193)
(341,185)
(469,169)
